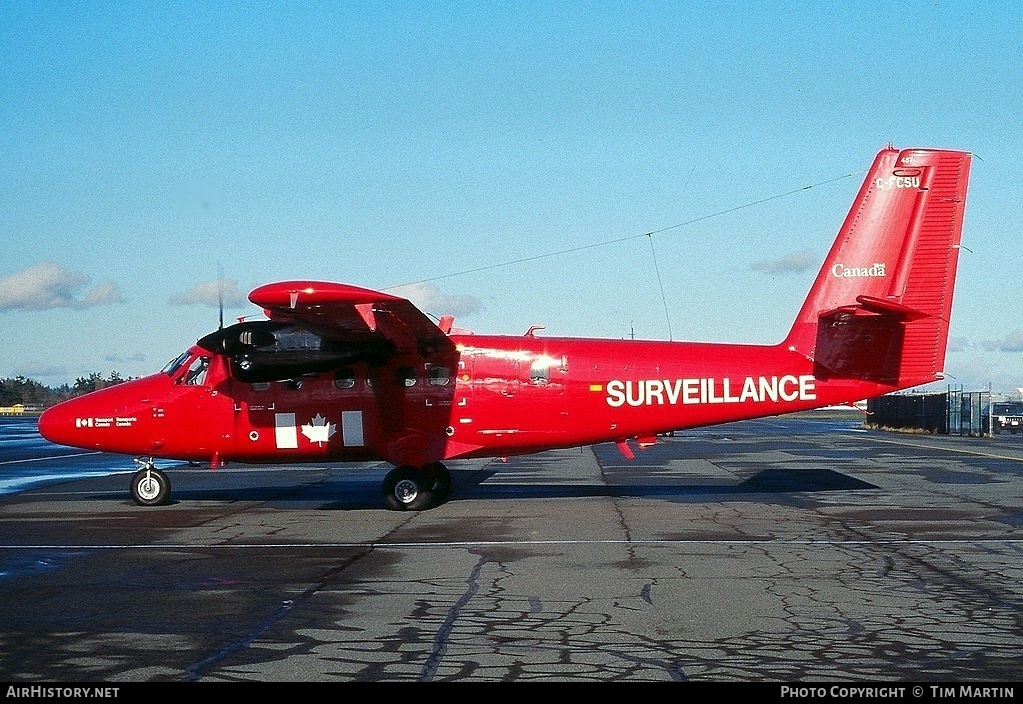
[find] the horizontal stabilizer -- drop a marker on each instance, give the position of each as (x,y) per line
(883,307)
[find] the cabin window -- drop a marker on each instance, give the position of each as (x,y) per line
(260,386)
(196,373)
(407,376)
(540,370)
(344,378)
(439,376)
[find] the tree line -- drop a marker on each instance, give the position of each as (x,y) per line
(34,396)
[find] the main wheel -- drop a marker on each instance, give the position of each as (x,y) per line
(150,487)
(408,489)
(441,481)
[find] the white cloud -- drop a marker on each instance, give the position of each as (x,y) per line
(1012,342)
(430,299)
(208,293)
(46,286)
(790,263)
(124,359)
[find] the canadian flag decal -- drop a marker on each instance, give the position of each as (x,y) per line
(319,430)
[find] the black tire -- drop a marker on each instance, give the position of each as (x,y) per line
(441,481)
(408,489)
(150,487)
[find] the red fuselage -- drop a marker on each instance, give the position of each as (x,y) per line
(494,396)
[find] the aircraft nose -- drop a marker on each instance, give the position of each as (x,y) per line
(57,424)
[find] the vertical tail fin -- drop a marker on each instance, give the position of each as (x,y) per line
(879,308)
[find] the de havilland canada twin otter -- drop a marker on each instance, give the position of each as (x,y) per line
(338,373)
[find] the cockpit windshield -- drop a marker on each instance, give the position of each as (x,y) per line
(175,364)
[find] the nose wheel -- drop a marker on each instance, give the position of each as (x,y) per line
(149,486)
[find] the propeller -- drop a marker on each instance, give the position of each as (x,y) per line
(220,293)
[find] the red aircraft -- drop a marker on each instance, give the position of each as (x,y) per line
(339,373)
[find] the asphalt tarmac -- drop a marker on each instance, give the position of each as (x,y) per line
(782,550)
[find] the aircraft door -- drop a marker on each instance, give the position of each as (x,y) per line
(195,410)
(428,390)
(495,375)
(253,419)
(543,390)
(523,389)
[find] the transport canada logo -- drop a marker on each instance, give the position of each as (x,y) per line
(114,421)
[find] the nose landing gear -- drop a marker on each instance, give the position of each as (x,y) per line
(149,486)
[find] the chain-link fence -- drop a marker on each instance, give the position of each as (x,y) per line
(954,412)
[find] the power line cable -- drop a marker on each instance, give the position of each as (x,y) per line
(605,243)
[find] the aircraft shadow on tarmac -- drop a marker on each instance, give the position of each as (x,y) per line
(360,489)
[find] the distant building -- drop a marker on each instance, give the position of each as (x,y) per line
(15,410)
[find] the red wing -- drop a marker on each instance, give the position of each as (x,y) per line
(344,312)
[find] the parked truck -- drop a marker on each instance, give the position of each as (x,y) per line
(1007,417)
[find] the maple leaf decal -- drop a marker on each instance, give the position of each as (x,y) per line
(319,430)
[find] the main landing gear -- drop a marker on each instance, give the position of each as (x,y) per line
(404,488)
(411,489)
(149,486)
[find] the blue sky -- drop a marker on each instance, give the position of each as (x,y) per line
(505,159)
